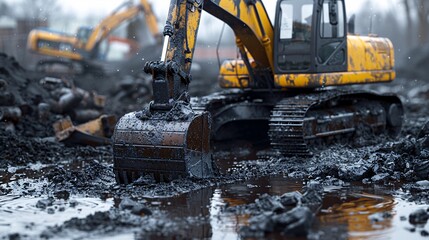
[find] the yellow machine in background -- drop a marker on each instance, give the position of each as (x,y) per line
(84,46)
(286,95)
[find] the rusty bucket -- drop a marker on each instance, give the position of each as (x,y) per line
(164,148)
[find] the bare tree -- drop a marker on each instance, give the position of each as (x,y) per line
(409,20)
(4,9)
(422,15)
(420,23)
(38,10)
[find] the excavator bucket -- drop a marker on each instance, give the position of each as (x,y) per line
(164,148)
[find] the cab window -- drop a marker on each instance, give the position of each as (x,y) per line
(295,23)
(296,26)
(328,29)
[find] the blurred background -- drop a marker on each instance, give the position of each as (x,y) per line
(405,22)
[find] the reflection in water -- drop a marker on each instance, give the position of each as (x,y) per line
(359,214)
(21,214)
(195,205)
(345,214)
(224,228)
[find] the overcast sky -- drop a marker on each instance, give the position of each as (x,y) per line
(100,7)
(90,12)
(85,7)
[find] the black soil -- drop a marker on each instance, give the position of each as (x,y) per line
(87,171)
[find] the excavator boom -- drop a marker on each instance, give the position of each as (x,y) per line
(116,18)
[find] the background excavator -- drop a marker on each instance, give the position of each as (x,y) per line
(286,88)
(84,47)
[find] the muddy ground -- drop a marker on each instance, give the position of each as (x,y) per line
(48,190)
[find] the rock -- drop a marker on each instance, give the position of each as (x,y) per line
(356,172)
(418,217)
(295,222)
(423,184)
(313,194)
(44,203)
(380,177)
(424,143)
(51,211)
(314,185)
(127,204)
(424,154)
(14,236)
(262,223)
(141,211)
(269,203)
(422,169)
(424,131)
(73,203)
(135,207)
(65,195)
(291,199)
(380,216)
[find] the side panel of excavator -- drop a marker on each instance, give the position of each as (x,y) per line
(46,42)
(371,60)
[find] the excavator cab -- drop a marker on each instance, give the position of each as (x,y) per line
(310,36)
(84,33)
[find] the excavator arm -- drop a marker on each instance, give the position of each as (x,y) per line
(117,17)
(248,19)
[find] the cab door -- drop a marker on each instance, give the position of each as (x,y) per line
(331,36)
(310,36)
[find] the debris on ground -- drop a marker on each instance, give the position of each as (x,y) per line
(420,216)
(34,164)
(290,214)
(93,133)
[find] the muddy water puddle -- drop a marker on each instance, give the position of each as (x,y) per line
(30,215)
(352,211)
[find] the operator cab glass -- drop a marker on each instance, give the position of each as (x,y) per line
(83,34)
(310,36)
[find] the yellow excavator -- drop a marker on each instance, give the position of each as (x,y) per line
(286,88)
(85,45)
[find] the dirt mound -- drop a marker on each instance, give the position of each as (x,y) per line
(20,99)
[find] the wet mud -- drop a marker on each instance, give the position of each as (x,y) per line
(349,191)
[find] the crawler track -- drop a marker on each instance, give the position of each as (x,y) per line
(301,123)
